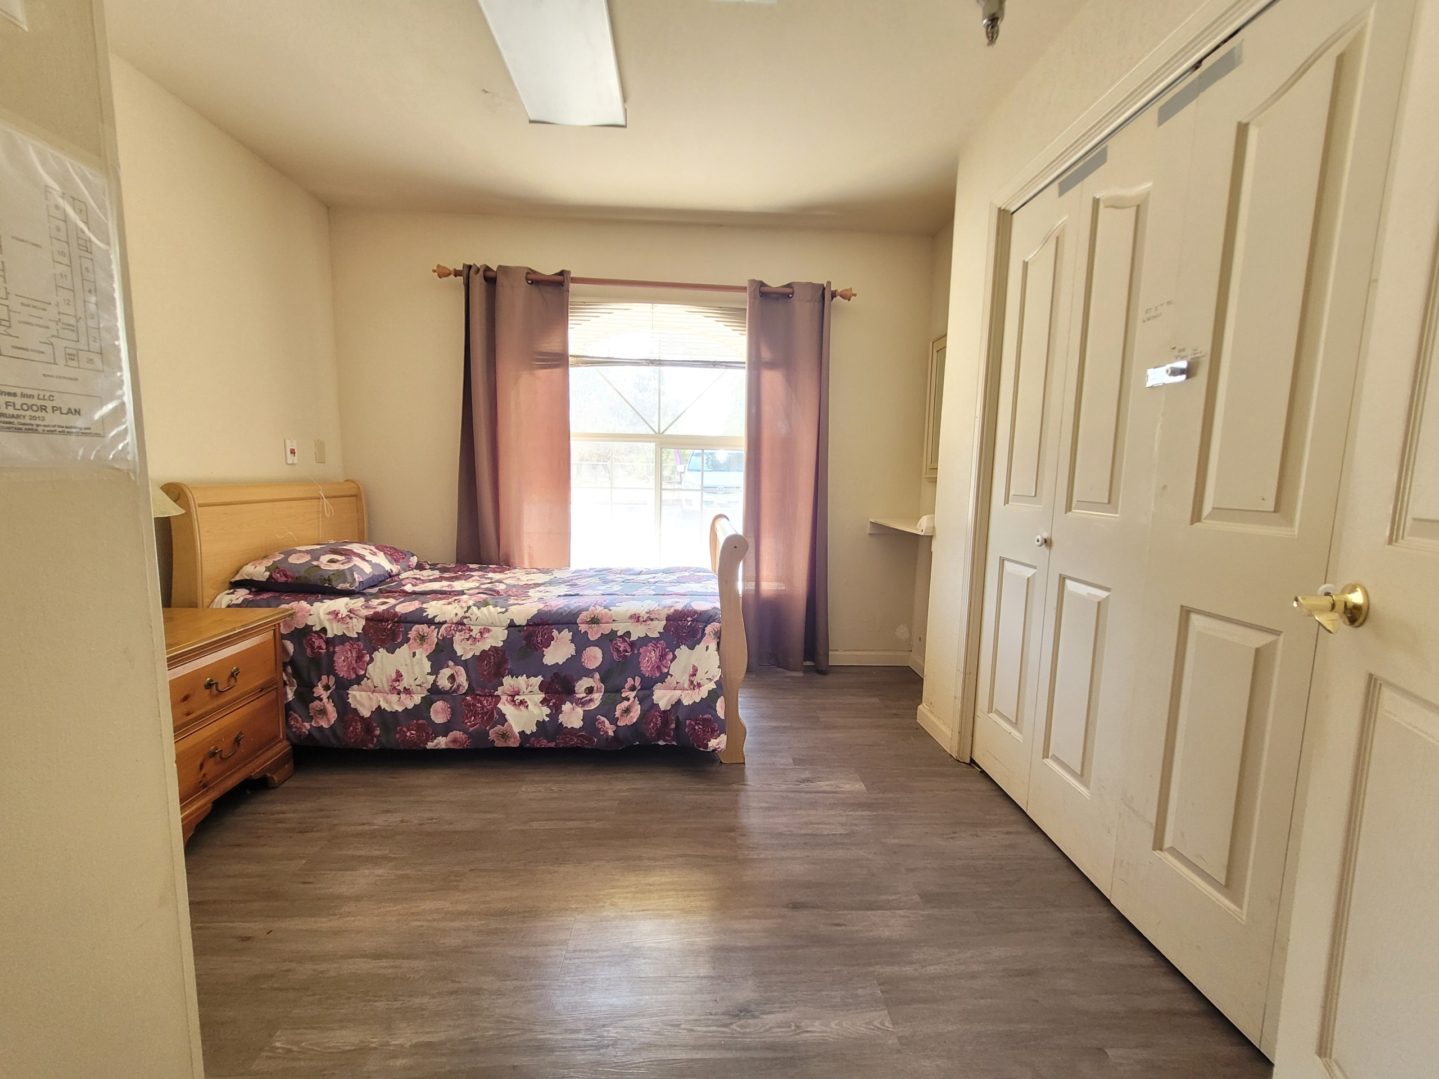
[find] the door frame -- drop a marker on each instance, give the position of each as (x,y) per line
(1197,37)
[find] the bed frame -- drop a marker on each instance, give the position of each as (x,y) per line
(226,525)
(727,551)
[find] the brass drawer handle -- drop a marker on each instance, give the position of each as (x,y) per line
(215,751)
(215,686)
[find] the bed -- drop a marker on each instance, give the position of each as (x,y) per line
(448,656)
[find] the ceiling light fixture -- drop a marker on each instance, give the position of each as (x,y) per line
(993,15)
(561,56)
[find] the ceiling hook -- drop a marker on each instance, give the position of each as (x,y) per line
(992,15)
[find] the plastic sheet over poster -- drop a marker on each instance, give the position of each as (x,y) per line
(64,384)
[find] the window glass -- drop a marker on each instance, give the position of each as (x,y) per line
(657,413)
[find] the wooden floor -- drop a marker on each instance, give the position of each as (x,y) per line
(851,903)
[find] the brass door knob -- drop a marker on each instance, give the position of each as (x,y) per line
(1333,607)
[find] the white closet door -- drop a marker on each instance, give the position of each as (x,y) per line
(1129,226)
(1292,129)
(1361,993)
(1036,344)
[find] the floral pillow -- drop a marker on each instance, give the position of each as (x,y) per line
(325,567)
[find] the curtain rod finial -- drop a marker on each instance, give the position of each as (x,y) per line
(845,293)
(446,271)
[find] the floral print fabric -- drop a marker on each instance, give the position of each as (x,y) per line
(325,567)
(455,656)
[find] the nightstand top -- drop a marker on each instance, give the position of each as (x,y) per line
(189,630)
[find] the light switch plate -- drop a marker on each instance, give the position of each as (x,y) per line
(319,451)
(292,452)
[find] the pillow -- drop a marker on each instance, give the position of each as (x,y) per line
(325,567)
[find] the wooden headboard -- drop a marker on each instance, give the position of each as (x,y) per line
(226,525)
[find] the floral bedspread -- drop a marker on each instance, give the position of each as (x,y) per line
(453,656)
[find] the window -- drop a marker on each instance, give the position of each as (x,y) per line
(657,414)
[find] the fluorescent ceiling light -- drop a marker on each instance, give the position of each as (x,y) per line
(561,56)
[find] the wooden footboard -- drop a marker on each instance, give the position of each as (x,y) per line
(727,551)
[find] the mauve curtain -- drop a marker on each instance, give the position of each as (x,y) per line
(514,504)
(786,470)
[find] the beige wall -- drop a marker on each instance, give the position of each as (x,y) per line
(1103,43)
(399,334)
(94,925)
(230,278)
(938,322)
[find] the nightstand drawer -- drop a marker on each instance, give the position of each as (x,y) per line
(206,756)
(206,685)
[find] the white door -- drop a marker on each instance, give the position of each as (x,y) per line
(1291,138)
(1073,481)
(1361,993)
(1129,224)
(1036,344)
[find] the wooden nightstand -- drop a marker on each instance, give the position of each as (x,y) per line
(227,701)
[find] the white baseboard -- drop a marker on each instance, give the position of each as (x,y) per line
(916,664)
(868,659)
(937,729)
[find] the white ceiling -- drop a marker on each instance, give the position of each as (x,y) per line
(827,113)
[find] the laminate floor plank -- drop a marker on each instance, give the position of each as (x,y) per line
(851,903)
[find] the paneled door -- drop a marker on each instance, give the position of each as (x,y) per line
(1291,135)
(1073,480)
(1036,346)
(1361,993)
(1129,226)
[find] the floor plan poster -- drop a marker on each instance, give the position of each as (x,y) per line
(64,391)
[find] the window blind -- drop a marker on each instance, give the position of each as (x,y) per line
(664,334)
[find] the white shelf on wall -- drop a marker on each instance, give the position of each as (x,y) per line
(878,526)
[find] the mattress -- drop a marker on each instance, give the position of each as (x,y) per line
(450,656)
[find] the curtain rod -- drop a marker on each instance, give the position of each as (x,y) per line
(623,282)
